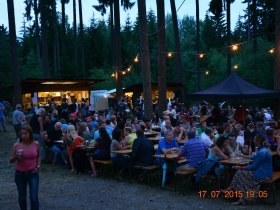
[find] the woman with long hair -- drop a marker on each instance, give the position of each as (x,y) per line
(72,140)
(248,178)
(26,154)
(115,146)
(101,149)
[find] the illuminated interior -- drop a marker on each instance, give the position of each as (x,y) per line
(43,98)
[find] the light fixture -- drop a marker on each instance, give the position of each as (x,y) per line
(234,47)
(169,54)
(136,59)
(201,55)
(235,66)
(271,51)
(207,73)
(113,75)
(123,72)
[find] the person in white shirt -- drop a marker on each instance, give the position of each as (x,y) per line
(240,135)
(207,137)
(267,115)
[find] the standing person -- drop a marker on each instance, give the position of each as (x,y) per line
(2,117)
(26,154)
(37,125)
(18,119)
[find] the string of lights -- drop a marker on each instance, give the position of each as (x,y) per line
(234,47)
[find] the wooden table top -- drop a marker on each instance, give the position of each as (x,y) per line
(167,156)
(126,151)
(155,138)
(237,162)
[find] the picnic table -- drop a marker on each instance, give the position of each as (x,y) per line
(123,152)
(156,138)
(150,133)
(236,161)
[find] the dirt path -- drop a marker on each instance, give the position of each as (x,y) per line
(63,190)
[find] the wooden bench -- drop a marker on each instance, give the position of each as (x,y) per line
(270,184)
(187,175)
(106,164)
(148,171)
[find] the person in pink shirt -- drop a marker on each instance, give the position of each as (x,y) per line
(26,155)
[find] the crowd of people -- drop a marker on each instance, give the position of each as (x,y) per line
(204,134)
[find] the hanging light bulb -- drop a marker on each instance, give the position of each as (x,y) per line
(207,73)
(129,69)
(169,55)
(271,51)
(136,59)
(235,67)
(113,75)
(201,55)
(123,72)
(234,47)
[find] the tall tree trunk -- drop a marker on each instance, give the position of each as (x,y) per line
(277,56)
(161,57)
(13,49)
(117,32)
(75,36)
(255,46)
(81,42)
(45,56)
(37,32)
(249,22)
(228,38)
(145,59)
(178,60)
(198,45)
(63,34)
(112,33)
(56,43)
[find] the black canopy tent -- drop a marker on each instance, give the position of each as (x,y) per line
(233,87)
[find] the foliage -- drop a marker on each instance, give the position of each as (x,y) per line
(254,67)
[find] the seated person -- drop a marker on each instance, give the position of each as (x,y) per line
(129,137)
(167,127)
(227,130)
(179,133)
(195,152)
(249,178)
(121,160)
(101,149)
(202,128)
(83,131)
(128,123)
(271,139)
(73,141)
(217,153)
(232,145)
(56,134)
(249,135)
(135,125)
(104,125)
(142,150)
(207,136)
(168,144)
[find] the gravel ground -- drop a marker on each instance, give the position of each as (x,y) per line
(63,190)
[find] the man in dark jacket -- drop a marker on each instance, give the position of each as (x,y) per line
(142,150)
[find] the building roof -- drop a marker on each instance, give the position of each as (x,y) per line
(41,85)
